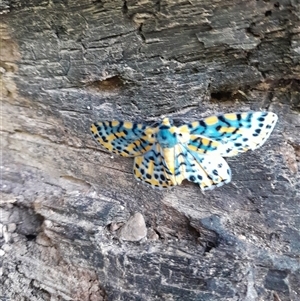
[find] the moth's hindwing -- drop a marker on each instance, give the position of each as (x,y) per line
(150,168)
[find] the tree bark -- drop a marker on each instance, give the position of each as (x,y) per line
(74,219)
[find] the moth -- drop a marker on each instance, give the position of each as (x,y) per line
(166,155)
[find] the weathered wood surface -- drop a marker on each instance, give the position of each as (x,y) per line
(67,64)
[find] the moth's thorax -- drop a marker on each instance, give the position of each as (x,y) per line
(166,134)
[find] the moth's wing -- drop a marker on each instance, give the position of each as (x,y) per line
(208,171)
(229,134)
(124,138)
(151,169)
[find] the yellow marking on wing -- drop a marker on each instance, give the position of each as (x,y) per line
(169,158)
(168,154)
(206,183)
(150,131)
(115,123)
(205,141)
(166,121)
(150,168)
(196,149)
(93,129)
(227,130)
(105,144)
(127,125)
(173,129)
(195,124)
(179,178)
(138,161)
(230,116)
(184,129)
(111,137)
(211,120)
(130,148)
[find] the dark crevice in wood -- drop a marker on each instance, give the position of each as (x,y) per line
(221,95)
(125,8)
(108,84)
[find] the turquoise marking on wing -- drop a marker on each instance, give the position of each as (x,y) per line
(165,137)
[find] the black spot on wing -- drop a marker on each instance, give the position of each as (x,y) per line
(215,172)
(202,123)
(235,131)
(126,151)
(192,178)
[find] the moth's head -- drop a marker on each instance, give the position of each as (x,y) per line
(166,135)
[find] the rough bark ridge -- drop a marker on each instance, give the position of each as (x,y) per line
(71,213)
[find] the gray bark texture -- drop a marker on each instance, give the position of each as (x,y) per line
(74,223)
